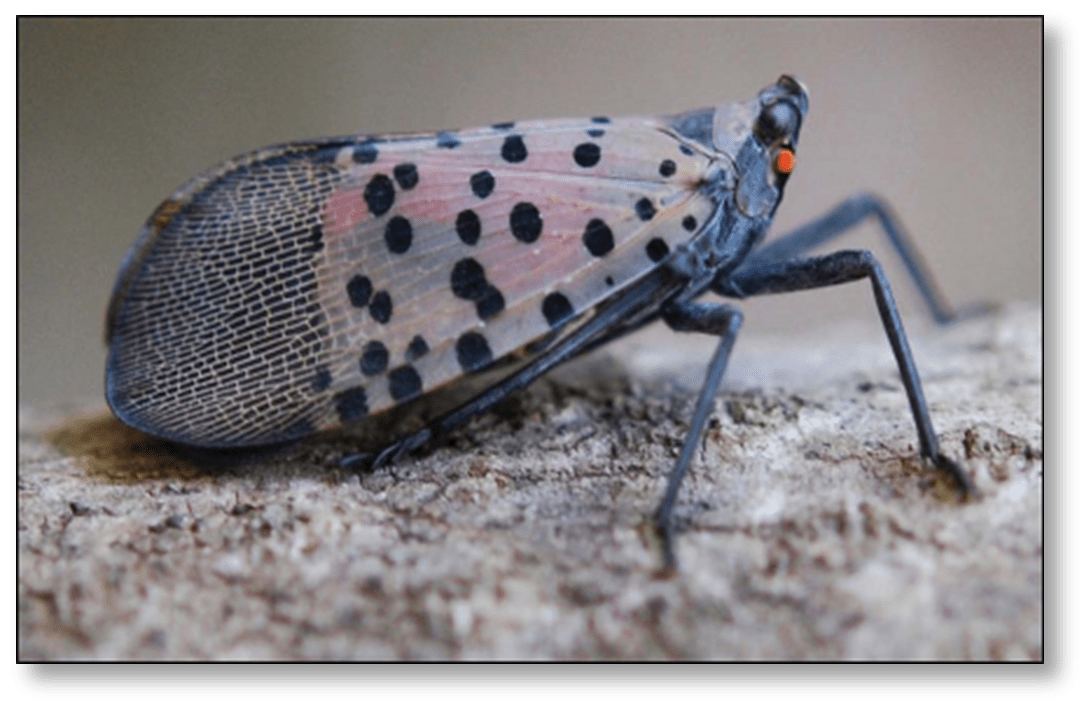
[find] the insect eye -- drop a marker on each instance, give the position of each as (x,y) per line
(777,121)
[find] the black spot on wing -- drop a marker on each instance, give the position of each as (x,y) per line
(490,304)
(404,383)
(399,235)
(525,222)
(416,349)
(351,404)
(474,353)
(379,194)
(365,153)
(587,155)
(406,176)
(468,227)
(514,149)
(556,309)
(448,140)
(645,209)
(657,249)
(374,360)
(468,281)
(482,184)
(381,307)
(598,238)
(359,290)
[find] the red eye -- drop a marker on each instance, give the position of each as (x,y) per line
(784,163)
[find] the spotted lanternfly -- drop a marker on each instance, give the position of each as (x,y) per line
(314,284)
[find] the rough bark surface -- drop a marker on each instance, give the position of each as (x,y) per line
(810,529)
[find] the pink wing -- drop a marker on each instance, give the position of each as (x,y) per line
(310,285)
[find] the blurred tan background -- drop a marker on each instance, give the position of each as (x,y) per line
(943,117)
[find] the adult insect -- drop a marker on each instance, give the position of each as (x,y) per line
(314,284)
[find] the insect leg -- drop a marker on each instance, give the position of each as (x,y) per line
(842,267)
(719,319)
(847,214)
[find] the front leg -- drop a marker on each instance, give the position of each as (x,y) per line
(842,267)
